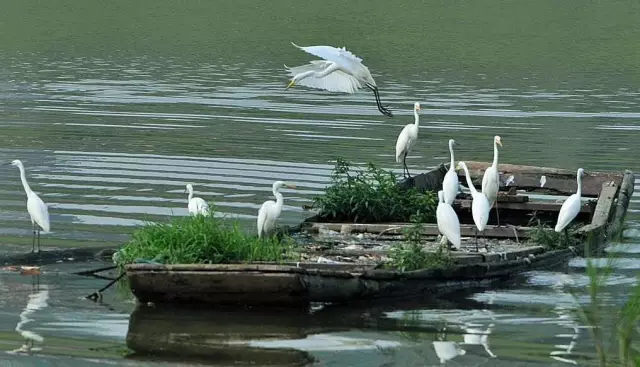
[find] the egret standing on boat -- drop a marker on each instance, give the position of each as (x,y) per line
(270,210)
(491,178)
(196,205)
(448,222)
(340,71)
(450,183)
(407,138)
(571,207)
(479,206)
(36,208)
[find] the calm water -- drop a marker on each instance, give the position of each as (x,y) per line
(114,107)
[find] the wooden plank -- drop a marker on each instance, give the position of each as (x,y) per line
(466,230)
(558,181)
(530,206)
(624,196)
(603,207)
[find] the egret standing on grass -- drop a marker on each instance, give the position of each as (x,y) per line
(407,138)
(340,71)
(479,206)
(448,222)
(196,205)
(270,210)
(450,183)
(571,207)
(491,178)
(36,208)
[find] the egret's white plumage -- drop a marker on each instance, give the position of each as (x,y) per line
(480,205)
(340,71)
(36,208)
(450,183)
(196,205)
(448,222)
(407,138)
(270,210)
(571,207)
(491,178)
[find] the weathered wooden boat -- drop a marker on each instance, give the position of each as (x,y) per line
(301,283)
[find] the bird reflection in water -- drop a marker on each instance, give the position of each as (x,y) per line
(566,319)
(446,350)
(37,300)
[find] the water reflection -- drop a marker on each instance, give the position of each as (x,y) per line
(36,301)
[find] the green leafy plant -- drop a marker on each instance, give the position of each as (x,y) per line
(411,256)
(544,235)
(371,195)
(200,239)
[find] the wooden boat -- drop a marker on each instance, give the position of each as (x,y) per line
(302,283)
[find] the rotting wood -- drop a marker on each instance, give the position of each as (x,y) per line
(622,203)
(466,230)
(603,208)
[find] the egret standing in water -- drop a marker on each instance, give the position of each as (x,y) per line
(571,207)
(196,205)
(491,178)
(407,139)
(448,222)
(450,183)
(270,210)
(340,71)
(479,206)
(36,208)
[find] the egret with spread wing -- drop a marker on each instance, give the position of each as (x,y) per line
(340,71)
(407,138)
(270,210)
(36,208)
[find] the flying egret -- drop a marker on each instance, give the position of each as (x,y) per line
(450,183)
(340,71)
(407,138)
(270,210)
(491,178)
(480,206)
(571,207)
(196,205)
(448,222)
(36,208)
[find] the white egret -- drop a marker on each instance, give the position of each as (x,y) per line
(480,206)
(36,208)
(196,205)
(448,222)
(450,183)
(571,207)
(270,210)
(543,180)
(340,71)
(491,178)
(407,138)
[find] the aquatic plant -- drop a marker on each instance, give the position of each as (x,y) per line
(411,255)
(544,235)
(202,239)
(625,321)
(371,195)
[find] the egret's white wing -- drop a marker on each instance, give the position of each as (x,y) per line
(450,186)
(337,81)
(568,212)
(38,211)
(403,144)
(490,184)
(448,223)
(198,206)
(263,213)
(340,56)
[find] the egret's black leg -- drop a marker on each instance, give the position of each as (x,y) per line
(566,236)
(33,243)
(497,213)
(38,240)
(404,162)
(381,108)
(477,250)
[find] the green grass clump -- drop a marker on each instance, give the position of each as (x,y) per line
(411,255)
(371,195)
(200,239)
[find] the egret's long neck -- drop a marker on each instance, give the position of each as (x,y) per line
(190,194)
(469,183)
(279,198)
(579,192)
(330,69)
(415,113)
(495,155)
(25,184)
(452,166)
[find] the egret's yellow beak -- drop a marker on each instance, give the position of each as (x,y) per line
(499,142)
(291,84)
(291,186)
